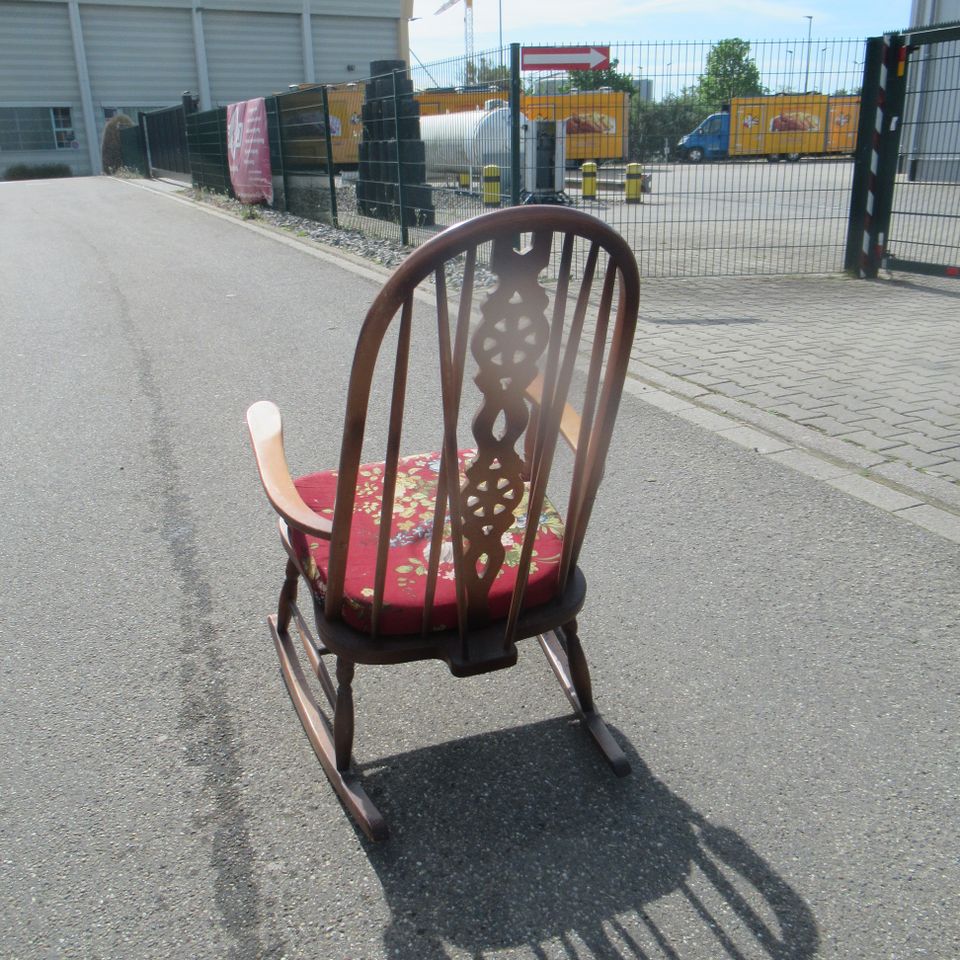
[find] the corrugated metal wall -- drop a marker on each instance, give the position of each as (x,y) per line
(342,41)
(138,54)
(141,53)
(38,71)
(41,75)
(252,54)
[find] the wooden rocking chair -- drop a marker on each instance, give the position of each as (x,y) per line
(492,562)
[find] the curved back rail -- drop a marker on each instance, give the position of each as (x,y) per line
(523,349)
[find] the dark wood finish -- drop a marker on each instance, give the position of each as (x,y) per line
(521,344)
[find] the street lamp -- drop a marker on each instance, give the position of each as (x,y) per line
(806,76)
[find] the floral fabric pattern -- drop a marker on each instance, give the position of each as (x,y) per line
(408,559)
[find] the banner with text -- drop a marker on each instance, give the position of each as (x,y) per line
(249,151)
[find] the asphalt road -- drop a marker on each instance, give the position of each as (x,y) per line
(779,660)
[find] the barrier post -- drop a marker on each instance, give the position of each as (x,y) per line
(634,185)
(589,180)
(491,185)
(463,179)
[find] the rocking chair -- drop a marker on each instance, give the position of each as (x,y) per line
(459,554)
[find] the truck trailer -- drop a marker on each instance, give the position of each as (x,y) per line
(596,122)
(778,127)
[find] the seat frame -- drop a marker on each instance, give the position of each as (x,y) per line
(478,644)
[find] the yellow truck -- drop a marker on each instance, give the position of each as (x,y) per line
(784,126)
(597,122)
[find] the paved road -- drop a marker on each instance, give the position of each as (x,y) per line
(779,659)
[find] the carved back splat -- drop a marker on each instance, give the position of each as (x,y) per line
(507,345)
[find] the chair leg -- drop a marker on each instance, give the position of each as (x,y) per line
(333,745)
(569,663)
(579,671)
(343,715)
(288,596)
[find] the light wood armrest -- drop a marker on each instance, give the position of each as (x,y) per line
(266,433)
(569,419)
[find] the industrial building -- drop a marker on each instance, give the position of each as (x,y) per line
(66,66)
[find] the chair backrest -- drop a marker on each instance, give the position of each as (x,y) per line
(527,339)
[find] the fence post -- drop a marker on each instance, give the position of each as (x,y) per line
(142,141)
(280,152)
(514,124)
(224,150)
(145,139)
(331,175)
(404,232)
(878,146)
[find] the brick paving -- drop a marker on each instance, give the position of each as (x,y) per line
(872,366)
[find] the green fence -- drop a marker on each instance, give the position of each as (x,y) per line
(207,150)
(132,149)
(404,152)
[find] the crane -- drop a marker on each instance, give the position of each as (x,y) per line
(467,25)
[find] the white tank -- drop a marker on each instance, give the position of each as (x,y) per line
(468,140)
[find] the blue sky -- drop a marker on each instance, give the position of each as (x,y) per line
(436,37)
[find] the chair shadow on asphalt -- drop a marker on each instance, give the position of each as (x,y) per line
(524,841)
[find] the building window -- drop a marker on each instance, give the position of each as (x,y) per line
(62,127)
(36,128)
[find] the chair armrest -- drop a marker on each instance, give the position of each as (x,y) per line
(266,433)
(569,419)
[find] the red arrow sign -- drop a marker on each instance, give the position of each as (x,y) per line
(565,58)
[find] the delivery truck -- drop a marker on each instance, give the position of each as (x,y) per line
(779,127)
(596,123)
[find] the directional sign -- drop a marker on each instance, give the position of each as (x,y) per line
(565,58)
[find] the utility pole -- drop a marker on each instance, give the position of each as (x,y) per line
(806,76)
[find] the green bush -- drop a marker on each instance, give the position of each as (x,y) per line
(111,150)
(37,171)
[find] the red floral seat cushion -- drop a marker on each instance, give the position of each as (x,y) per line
(409,552)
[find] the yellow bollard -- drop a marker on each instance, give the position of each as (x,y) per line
(589,180)
(463,178)
(634,185)
(491,185)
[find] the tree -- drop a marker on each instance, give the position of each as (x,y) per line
(729,73)
(594,79)
(655,128)
(497,75)
(111,149)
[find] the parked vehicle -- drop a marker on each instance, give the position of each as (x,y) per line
(596,122)
(780,127)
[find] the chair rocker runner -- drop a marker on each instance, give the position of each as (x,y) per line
(457,554)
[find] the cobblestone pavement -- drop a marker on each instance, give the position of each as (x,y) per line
(864,373)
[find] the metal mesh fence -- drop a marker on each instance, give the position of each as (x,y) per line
(710,158)
(925,221)
(207,150)
(715,206)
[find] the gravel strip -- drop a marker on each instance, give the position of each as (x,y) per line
(380,250)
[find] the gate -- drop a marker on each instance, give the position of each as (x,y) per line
(166,137)
(905,208)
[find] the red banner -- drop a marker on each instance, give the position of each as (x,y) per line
(248,149)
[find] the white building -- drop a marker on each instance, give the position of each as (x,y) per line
(68,65)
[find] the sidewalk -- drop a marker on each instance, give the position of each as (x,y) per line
(854,382)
